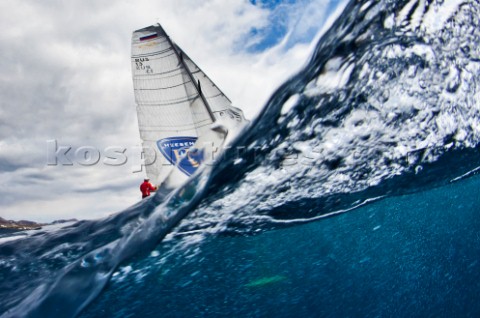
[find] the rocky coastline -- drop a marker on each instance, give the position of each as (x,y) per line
(23,225)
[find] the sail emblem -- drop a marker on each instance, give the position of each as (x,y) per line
(177,151)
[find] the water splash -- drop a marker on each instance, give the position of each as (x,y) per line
(389,97)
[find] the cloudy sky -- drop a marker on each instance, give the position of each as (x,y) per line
(65,82)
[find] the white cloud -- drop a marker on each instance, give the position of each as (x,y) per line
(65,74)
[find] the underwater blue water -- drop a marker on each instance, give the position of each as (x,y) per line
(354,193)
(416,255)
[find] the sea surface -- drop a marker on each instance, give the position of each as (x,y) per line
(355,193)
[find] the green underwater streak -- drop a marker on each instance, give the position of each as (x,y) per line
(265,281)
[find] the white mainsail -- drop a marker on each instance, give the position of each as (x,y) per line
(177,107)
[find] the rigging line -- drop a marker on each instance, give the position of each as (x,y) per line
(161,57)
(169,102)
(153,77)
(168,130)
(200,123)
(160,88)
(213,96)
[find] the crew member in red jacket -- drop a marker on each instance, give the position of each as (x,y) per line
(146,187)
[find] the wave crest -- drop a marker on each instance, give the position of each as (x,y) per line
(388,99)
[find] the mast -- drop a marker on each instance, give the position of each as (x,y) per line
(190,75)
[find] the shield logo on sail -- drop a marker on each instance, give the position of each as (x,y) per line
(177,151)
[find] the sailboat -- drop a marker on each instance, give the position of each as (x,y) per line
(184,118)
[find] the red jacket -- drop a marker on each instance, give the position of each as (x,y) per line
(146,187)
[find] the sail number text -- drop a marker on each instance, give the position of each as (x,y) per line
(141,65)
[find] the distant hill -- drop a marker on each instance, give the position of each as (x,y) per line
(26,225)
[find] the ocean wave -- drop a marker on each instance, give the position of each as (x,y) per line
(387,105)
